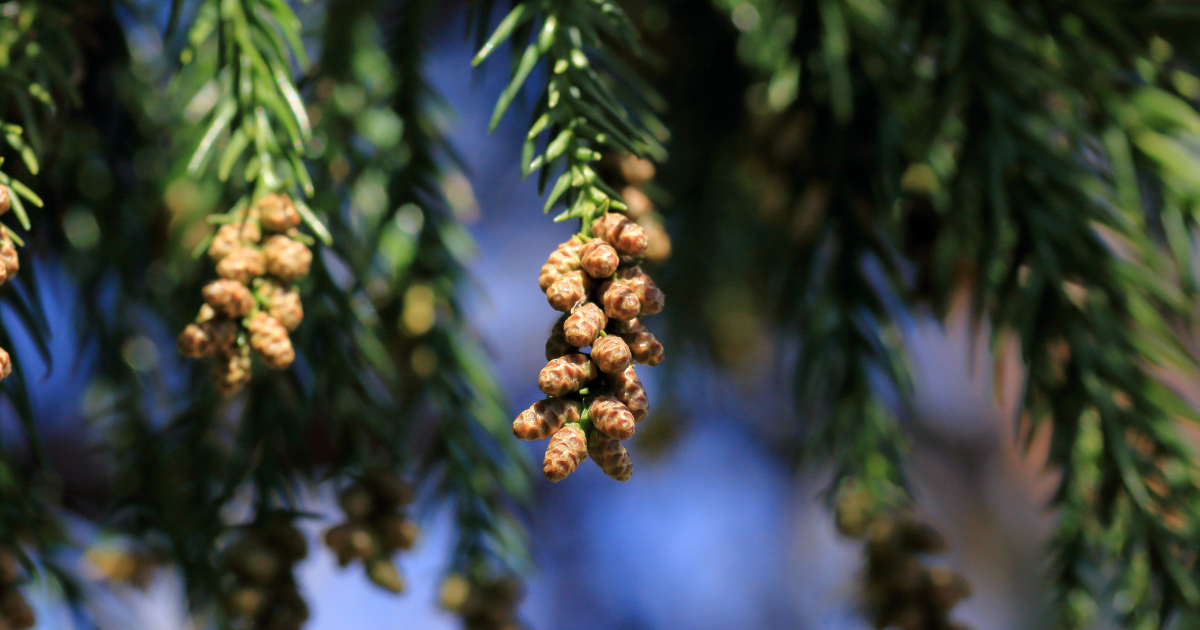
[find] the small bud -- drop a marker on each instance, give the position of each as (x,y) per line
(562,261)
(5,198)
(8,254)
(599,259)
(567,449)
(582,327)
(620,302)
(639,204)
(233,370)
(233,235)
(658,248)
(544,418)
(611,354)
(556,343)
(611,418)
(635,170)
(229,297)
(194,342)
(644,346)
(277,213)
(567,374)
(628,389)
(568,291)
(384,574)
(627,237)
(283,303)
(243,263)
(5,364)
(611,456)
(270,339)
(3,273)
(287,259)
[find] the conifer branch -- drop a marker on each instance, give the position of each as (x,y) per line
(577,113)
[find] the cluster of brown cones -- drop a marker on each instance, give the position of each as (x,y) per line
(630,174)
(253,305)
(483,604)
(260,591)
(15,611)
(595,399)
(375,528)
(900,590)
(10,263)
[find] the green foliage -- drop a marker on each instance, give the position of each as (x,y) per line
(578,112)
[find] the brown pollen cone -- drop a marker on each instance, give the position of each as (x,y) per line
(610,455)
(5,364)
(635,170)
(283,303)
(229,297)
(658,248)
(562,261)
(270,339)
(233,370)
(651,298)
(3,273)
(639,204)
(556,343)
(287,258)
(568,291)
(544,418)
(599,259)
(628,389)
(194,342)
(644,346)
(243,263)
(5,198)
(232,235)
(611,355)
(567,449)
(567,374)
(582,327)
(277,213)
(620,301)
(612,418)
(8,254)
(627,237)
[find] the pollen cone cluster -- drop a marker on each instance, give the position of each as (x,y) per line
(594,397)
(15,611)
(260,591)
(375,528)
(900,591)
(253,305)
(483,604)
(10,263)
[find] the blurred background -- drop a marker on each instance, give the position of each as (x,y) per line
(719,527)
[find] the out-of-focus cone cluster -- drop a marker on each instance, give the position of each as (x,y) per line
(15,611)
(483,604)
(253,305)
(10,263)
(595,399)
(375,528)
(259,588)
(900,591)
(630,175)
